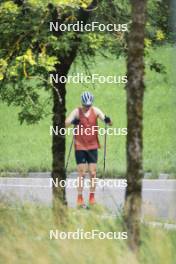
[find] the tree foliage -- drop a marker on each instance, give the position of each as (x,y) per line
(29,51)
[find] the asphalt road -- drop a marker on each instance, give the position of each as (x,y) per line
(159,196)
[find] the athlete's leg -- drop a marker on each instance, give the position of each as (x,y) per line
(92,173)
(81,174)
(93,157)
(81,168)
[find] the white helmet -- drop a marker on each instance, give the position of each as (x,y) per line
(87,99)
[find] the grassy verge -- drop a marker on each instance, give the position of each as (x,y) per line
(25,238)
(28,148)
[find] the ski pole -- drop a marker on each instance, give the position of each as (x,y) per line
(105,143)
(104,163)
(68,158)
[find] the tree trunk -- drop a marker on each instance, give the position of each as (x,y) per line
(58,141)
(172,19)
(59,110)
(134,146)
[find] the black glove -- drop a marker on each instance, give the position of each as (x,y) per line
(107,120)
(75,122)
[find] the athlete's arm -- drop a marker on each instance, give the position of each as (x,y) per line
(99,113)
(102,116)
(72,118)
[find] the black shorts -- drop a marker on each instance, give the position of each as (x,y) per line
(86,156)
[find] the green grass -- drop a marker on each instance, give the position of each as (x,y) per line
(25,239)
(28,148)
